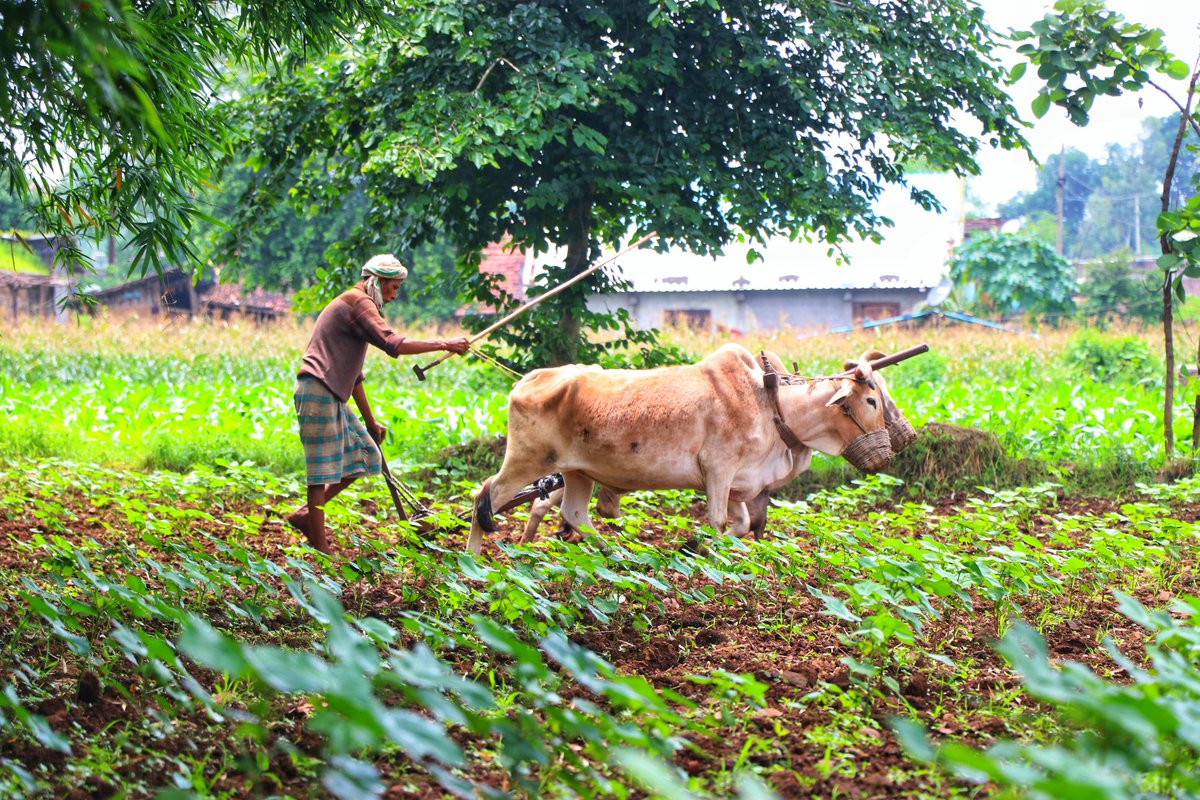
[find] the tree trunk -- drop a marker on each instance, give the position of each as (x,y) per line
(1196,426)
(579,238)
(1168,287)
(1169,363)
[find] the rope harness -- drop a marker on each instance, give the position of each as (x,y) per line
(772,379)
(870,451)
(495,362)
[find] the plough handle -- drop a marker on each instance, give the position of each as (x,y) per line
(391,484)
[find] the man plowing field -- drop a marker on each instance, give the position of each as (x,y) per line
(338,448)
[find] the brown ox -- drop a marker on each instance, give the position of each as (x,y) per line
(750,516)
(710,426)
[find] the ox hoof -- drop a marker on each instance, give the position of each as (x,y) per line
(483,508)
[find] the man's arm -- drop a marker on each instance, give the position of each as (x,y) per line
(375,330)
(409,347)
(376,430)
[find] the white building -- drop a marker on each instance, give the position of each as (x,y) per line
(800,284)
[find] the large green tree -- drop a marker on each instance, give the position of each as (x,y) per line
(112,119)
(573,125)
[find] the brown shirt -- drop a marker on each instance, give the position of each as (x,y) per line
(338,347)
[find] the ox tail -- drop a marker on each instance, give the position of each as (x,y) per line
(483,508)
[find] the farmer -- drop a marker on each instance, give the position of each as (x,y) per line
(337,447)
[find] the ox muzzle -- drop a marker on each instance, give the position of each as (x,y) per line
(870,452)
(900,433)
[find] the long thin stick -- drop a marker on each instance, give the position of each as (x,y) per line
(510,317)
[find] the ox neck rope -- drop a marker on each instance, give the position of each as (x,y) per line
(771,381)
(512,373)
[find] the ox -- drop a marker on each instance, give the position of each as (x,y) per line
(752,515)
(722,426)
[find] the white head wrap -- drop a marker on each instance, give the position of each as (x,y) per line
(384,265)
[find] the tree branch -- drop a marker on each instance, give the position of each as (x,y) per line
(489,69)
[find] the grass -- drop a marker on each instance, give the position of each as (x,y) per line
(998,409)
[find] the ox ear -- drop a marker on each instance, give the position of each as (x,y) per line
(839,397)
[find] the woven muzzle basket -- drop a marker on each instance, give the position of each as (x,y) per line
(870,452)
(901,434)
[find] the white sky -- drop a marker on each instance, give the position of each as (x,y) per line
(1113,119)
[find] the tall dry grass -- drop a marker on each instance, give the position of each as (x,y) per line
(179,337)
(186,338)
(959,342)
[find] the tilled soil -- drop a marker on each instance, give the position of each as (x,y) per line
(802,747)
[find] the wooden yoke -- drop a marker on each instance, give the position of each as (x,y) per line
(894,358)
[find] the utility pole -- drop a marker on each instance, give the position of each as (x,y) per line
(1061,183)
(1137,225)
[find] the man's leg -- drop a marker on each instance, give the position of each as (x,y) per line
(315,530)
(332,490)
(310,520)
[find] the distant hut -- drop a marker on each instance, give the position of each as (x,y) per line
(223,301)
(28,285)
(174,293)
(171,292)
(25,294)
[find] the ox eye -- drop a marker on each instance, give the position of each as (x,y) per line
(871,402)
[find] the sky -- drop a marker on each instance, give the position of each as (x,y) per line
(1113,119)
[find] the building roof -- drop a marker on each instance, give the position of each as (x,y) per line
(973,225)
(219,295)
(913,253)
(145,283)
(24,280)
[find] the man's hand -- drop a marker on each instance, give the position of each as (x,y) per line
(456,346)
(378,432)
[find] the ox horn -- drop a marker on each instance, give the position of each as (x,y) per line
(887,361)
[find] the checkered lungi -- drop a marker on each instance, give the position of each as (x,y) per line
(336,443)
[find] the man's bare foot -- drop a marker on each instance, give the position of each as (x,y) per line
(315,534)
(301,521)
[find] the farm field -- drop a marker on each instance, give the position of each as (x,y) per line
(1025,623)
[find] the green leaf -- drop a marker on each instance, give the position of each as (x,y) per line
(288,670)
(834,606)
(351,779)
(206,645)
(1041,104)
(913,739)
(1168,261)
(654,775)
(1176,69)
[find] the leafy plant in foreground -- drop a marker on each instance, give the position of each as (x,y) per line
(1132,740)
